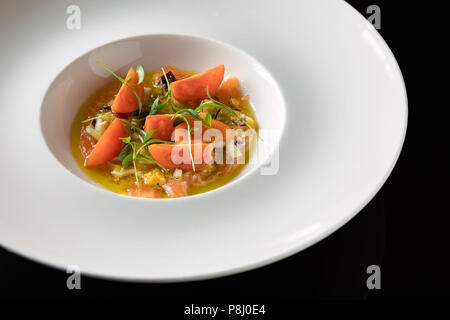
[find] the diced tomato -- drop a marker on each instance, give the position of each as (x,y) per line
(109,145)
(177,156)
(163,123)
(220,135)
(193,89)
(126,100)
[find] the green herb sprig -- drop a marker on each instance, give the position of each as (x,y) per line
(183,118)
(133,127)
(219,105)
(195,113)
(99,117)
(157,106)
(132,152)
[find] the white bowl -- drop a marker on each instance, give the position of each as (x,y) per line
(79,80)
(346,115)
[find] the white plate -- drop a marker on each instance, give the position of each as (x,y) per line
(346,120)
(73,86)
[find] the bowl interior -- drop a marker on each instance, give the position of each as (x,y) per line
(80,79)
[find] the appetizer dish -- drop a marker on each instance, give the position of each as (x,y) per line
(166,133)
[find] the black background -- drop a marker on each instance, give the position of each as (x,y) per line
(402,229)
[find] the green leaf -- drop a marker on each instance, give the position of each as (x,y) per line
(174,109)
(190,112)
(127,160)
(110,71)
(177,121)
(156,106)
(141,73)
(126,139)
(141,156)
(137,97)
(208,119)
(149,142)
(193,113)
(125,152)
(133,127)
(149,135)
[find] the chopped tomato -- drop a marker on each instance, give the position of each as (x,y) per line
(193,89)
(109,145)
(208,136)
(177,156)
(163,123)
(126,100)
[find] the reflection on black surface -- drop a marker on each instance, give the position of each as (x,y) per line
(333,268)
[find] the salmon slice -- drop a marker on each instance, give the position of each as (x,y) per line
(143,192)
(176,189)
(87,143)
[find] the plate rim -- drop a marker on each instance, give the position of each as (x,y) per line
(315,237)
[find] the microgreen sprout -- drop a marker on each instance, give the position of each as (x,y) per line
(219,105)
(132,152)
(183,118)
(169,90)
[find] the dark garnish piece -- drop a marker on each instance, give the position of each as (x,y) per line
(170,78)
(217,113)
(94,121)
(121,115)
(106,107)
(238,123)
